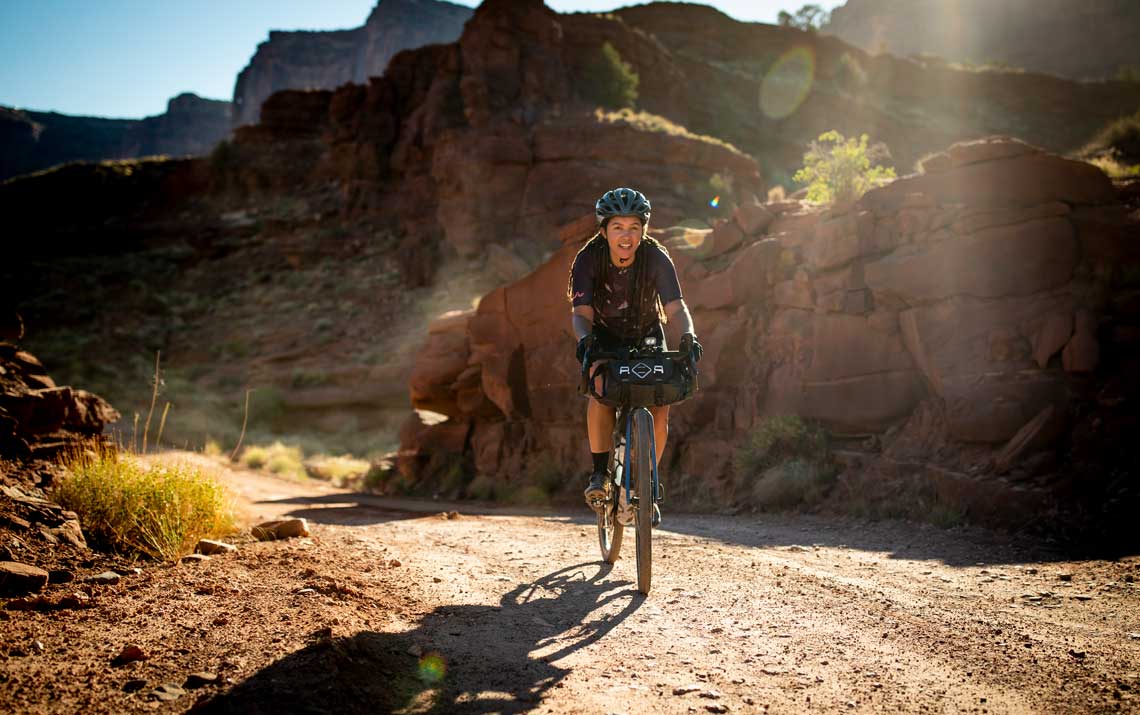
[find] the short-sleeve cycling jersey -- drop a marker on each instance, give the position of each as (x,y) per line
(612,308)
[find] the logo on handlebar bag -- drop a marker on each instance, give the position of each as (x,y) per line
(641,370)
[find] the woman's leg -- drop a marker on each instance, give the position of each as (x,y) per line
(660,428)
(600,426)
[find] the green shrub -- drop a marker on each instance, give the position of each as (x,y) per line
(609,81)
(277,458)
(779,439)
(790,484)
(783,463)
(156,508)
(1128,73)
(837,169)
(1120,140)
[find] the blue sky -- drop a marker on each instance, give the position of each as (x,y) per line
(126,58)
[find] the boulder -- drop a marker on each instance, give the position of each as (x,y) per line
(443,357)
(1012,260)
(17,579)
(861,404)
(1028,179)
(1083,350)
(993,407)
(753,219)
(959,336)
(988,149)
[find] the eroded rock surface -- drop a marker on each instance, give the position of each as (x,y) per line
(970,315)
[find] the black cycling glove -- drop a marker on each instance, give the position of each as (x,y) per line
(584,345)
(690,345)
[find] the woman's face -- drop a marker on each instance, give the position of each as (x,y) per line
(623,233)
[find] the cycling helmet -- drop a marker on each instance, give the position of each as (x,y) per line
(622,202)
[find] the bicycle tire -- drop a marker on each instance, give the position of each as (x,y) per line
(610,529)
(642,459)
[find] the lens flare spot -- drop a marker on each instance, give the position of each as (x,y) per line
(432,669)
(695,239)
(715,202)
(788,83)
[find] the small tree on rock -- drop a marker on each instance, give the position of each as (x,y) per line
(610,81)
(837,169)
(808,18)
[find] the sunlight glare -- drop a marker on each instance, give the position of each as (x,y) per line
(788,83)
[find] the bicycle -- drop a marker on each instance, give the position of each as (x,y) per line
(632,379)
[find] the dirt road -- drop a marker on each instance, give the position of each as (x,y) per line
(391,606)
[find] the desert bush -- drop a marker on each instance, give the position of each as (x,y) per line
(792,483)
(1120,140)
(784,462)
(277,458)
(341,470)
(1128,73)
(158,508)
(609,81)
(838,169)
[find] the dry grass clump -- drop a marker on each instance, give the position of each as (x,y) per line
(159,509)
(654,123)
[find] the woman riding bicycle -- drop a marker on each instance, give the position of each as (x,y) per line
(623,288)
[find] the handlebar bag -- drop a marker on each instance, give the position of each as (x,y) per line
(646,382)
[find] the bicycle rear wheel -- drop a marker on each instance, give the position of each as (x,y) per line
(642,458)
(609,529)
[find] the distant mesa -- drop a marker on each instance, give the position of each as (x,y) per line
(30,141)
(326,60)
(1094,39)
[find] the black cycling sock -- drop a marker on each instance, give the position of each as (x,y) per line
(600,461)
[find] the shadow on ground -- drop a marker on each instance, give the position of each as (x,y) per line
(458,659)
(960,546)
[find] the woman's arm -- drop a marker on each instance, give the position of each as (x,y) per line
(677,310)
(582,321)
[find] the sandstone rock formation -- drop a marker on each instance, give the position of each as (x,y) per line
(30,141)
(326,60)
(941,305)
(39,418)
(1090,40)
(488,140)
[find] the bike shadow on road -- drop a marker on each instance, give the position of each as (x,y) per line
(358,509)
(458,658)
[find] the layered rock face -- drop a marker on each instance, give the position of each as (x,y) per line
(326,60)
(1088,40)
(30,141)
(485,141)
(956,311)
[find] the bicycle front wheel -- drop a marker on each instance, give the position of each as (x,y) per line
(643,458)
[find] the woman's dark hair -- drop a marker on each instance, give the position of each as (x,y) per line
(647,301)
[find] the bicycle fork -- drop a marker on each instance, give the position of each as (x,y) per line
(629,497)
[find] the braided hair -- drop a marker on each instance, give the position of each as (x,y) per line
(643,295)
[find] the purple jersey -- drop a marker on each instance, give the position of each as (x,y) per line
(612,307)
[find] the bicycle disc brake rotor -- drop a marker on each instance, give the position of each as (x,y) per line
(625,511)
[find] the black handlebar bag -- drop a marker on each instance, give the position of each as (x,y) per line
(646,382)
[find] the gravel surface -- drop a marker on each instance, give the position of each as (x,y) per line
(402,606)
